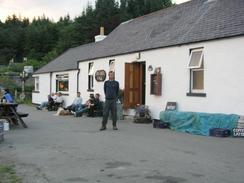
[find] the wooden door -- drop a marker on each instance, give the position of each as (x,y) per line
(133,84)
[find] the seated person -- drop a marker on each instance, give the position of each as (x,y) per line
(77,103)
(46,103)
(7,96)
(59,99)
(57,102)
(96,109)
(85,107)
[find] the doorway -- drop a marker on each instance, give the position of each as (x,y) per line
(135,84)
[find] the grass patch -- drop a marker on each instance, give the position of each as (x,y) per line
(8,175)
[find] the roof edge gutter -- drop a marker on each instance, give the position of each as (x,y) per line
(56,71)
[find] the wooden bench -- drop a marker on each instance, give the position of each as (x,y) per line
(22,115)
(9,113)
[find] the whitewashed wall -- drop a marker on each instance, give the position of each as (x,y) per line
(103,64)
(44,89)
(223,62)
(224,77)
(68,96)
(223,82)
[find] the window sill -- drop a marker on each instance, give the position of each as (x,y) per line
(90,90)
(196,94)
(35,91)
(65,94)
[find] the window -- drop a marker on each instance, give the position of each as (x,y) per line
(36,83)
(112,65)
(62,83)
(90,76)
(196,59)
(196,67)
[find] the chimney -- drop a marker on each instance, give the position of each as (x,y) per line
(101,36)
(102,31)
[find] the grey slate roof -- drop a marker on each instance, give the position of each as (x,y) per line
(193,21)
(67,60)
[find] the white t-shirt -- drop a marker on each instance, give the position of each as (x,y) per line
(59,99)
(54,97)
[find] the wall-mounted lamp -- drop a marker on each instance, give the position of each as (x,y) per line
(158,70)
(138,55)
(150,68)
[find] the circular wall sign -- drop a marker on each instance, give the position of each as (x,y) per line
(100,75)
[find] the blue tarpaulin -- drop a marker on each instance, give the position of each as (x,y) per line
(198,123)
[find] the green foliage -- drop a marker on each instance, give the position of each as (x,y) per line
(35,63)
(42,40)
(49,56)
(18,67)
(66,36)
(8,82)
(137,8)
(4,69)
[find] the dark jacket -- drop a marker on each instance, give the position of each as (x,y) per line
(111,89)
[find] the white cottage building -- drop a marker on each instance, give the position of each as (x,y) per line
(192,54)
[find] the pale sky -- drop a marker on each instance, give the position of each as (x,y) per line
(53,9)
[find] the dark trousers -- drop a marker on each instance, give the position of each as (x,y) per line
(110,105)
(71,108)
(90,111)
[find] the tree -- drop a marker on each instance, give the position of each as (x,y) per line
(137,8)
(43,40)
(12,35)
(65,27)
(41,37)
(85,27)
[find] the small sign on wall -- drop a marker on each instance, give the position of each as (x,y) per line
(100,75)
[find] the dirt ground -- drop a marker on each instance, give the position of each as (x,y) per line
(66,149)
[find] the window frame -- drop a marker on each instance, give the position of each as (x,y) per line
(192,69)
(112,61)
(37,83)
(201,58)
(192,81)
(63,78)
(90,76)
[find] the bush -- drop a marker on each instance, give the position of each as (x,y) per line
(8,82)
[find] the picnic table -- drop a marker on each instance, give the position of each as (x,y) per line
(8,111)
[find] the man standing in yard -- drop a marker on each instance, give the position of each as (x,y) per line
(111,91)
